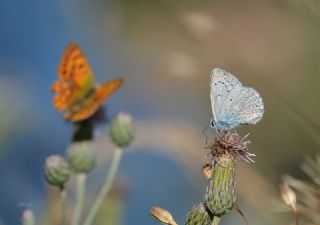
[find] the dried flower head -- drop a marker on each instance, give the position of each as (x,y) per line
(307,191)
(207,170)
(162,216)
(288,196)
(232,144)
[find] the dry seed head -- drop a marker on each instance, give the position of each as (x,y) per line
(162,215)
(288,196)
(230,143)
(207,170)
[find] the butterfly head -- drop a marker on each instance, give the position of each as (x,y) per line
(212,123)
(224,124)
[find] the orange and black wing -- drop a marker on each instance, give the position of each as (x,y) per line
(94,102)
(75,77)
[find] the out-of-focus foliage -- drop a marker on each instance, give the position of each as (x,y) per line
(111,211)
(308,191)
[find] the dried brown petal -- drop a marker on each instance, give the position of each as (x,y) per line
(288,196)
(207,170)
(162,215)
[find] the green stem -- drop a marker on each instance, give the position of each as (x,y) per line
(216,220)
(81,181)
(63,196)
(105,188)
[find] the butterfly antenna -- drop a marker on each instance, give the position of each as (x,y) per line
(237,208)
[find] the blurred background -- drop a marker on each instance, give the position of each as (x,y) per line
(165,51)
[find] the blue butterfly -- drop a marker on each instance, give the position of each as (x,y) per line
(232,103)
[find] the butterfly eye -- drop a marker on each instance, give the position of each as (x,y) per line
(212,123)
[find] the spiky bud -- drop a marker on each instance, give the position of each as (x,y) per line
(162,215)
(221,193)
(225,149)
(198,216)
(81,156)
(121,130)
(230,143)
(56,170)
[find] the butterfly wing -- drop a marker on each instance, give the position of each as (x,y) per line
(93,102)
(75,77)
(222,83)
(242,106)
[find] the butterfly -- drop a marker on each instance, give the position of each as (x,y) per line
(233,104)
(77,94)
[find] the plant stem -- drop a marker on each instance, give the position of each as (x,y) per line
(105,188)
(216,220)
(63,197)
(81,181)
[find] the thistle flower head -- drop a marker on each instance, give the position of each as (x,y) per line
(56,170)
(81,156)
(121,130)
(198,215)
(231,143)
(220,195)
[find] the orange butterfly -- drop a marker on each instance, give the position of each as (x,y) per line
(77,94)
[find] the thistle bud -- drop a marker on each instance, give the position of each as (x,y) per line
(121,130)
(198,215)
(221,193)
(162,216)
(81,156)
(56,170)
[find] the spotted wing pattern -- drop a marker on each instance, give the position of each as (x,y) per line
(76,92)
(222,84)
(232,103)
(245,105)
(74,77)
